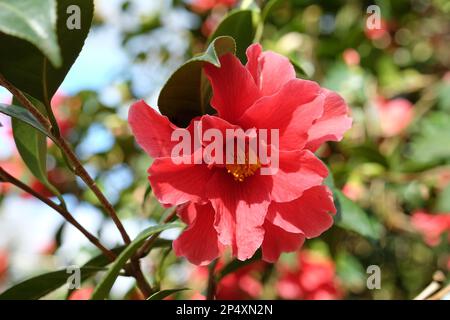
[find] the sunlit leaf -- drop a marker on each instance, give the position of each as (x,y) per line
(33,21)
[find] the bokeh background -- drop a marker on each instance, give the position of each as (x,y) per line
(393,167)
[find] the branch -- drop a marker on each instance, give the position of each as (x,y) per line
(26,103)
(6,177)
(212,285)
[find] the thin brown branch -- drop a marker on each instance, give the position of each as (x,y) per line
(6,177)
(26,103)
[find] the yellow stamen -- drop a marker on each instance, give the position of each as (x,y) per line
(242,171)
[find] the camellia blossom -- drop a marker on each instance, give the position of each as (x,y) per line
(201,6)
(431,226)
(394,115)
(313,279)
(235,205)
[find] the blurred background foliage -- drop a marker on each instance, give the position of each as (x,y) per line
(391,173)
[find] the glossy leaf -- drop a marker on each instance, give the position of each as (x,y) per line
(29,70)
(241,27)
(33,21)
(187,93)
(102,290)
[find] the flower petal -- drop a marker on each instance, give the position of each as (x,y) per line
(334,122)
(233,87)
(240,208)
(309,214)
(198,243)
(271,71)
(175,184)
(292,111)
(152,130)
(298,171)
(276,241)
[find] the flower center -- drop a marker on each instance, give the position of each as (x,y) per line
(242,171)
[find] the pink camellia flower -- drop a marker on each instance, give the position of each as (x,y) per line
(236,205)
(201,6)
(394,115)
(431,226)
(351,57)
(374,33)
(82,294)
(313,279)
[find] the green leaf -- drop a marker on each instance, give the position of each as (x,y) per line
(160,295)
(32,146)
(187,93)
(351,217)
(29,70)
(39,286)
(430,145)
(102,290)
(239,25)
(25,116)
(33,21)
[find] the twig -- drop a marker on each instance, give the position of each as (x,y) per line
(435,285)
(441,294)
(25,103)
(83,174)
(6,177)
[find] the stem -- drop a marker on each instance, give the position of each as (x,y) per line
(83,174)
(25,102)
(212,285)
(6,177)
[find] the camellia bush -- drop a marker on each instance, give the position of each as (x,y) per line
(244,150)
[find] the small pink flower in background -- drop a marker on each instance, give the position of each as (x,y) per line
(313,279)
(62,115)
(235,205)
(82,294)
(353,190)
(431,226)
(201,6)
(4,263)
(377,33)
(394,115)
(351,57)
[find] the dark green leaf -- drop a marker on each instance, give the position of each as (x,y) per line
(160,295)
(33,21)
(186,94)
(28,69)
(102,290)
(240,26)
